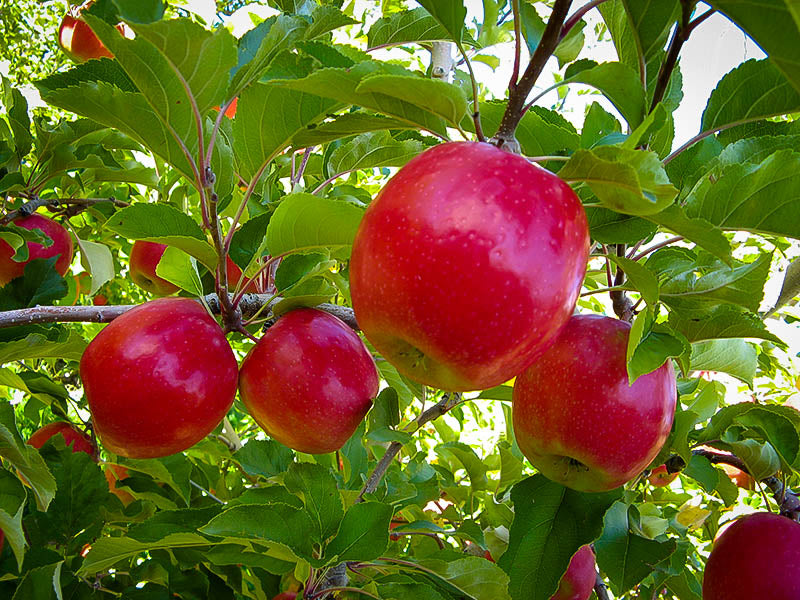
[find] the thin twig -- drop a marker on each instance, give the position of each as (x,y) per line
(576,17)
(601,589)
(621,303)
(647,251)
(53,204)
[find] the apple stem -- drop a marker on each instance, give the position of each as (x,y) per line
(504,138)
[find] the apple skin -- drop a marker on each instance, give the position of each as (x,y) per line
(145,257)
(309,381)
(235,274)
(158,378)
(79,42)
(286,596)
(577,419)
(660,478)
(73,437)
(739,477)
(578,581)
(61,247)
(114,473)
(467,264)
(100,300)
(758,556)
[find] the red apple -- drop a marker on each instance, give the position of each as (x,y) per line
(61,247)
(73,437)
(286,596)
(739,477)
(756,557)
(467,265)
(78,41)
(235,275)
(159,378)
(230,112)
(100,300)
(114,473)
(576,417)
(309,381)
(578,581)
(659,477)
(145,257)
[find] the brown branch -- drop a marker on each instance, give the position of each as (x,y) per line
(679,37)
(577,16)
(54,204)
(622,304)
(600,588)
(437,410)
(250,304)
(504,138)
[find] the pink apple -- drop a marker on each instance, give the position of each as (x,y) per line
(576,417)
(309,381)
(159,378)
(467,265)
(145,257)
(758,556)
(578,581)
(61,247)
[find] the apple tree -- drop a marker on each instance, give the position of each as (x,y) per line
(317,310)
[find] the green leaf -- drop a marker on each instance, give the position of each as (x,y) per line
(96,259)
(236,556)
(296,269)
(735,357)
(724,321)
(609,227)
(290,527)
(771,25)
(166,225)
(654,349)
(202,58)
(541,132)
(322,501)
(39,284)
(167,522)
(12,504)
(473,576)
(650,21)
(108,551)
(756,198)
(711,479)
(755,89)
(248,240)
(264,458)
(344,126)
(25,458)
(618,82)
(699,231)
(640,277)
(450,13)
(258,136)
(597,125)
(697,281)
(372,150)
(761,458)
(36,345)
(40,583)
(625,557)
(474,466)
(305,222)
(415,25)
(325,19)
(181,269)
(363,535)
(551,523)
(627,181)
(174,470)
(790,287)
(343,85)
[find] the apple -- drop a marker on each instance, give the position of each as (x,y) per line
(578,581)
(756,557)
(230,112)
(576,417)
(100,300)
(286,596)
(659,477)
(158,378)
(78,41)
(235,275)
(309,381)
(145,257)
(739,477)
(467,265)
(73,437)
(61,247)
(114,473)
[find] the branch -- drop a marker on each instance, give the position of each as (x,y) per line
(437,410)
(577,16)
(504,138)
(623,307)
(250,304)
(600,588)
(54,204)
(679,37)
